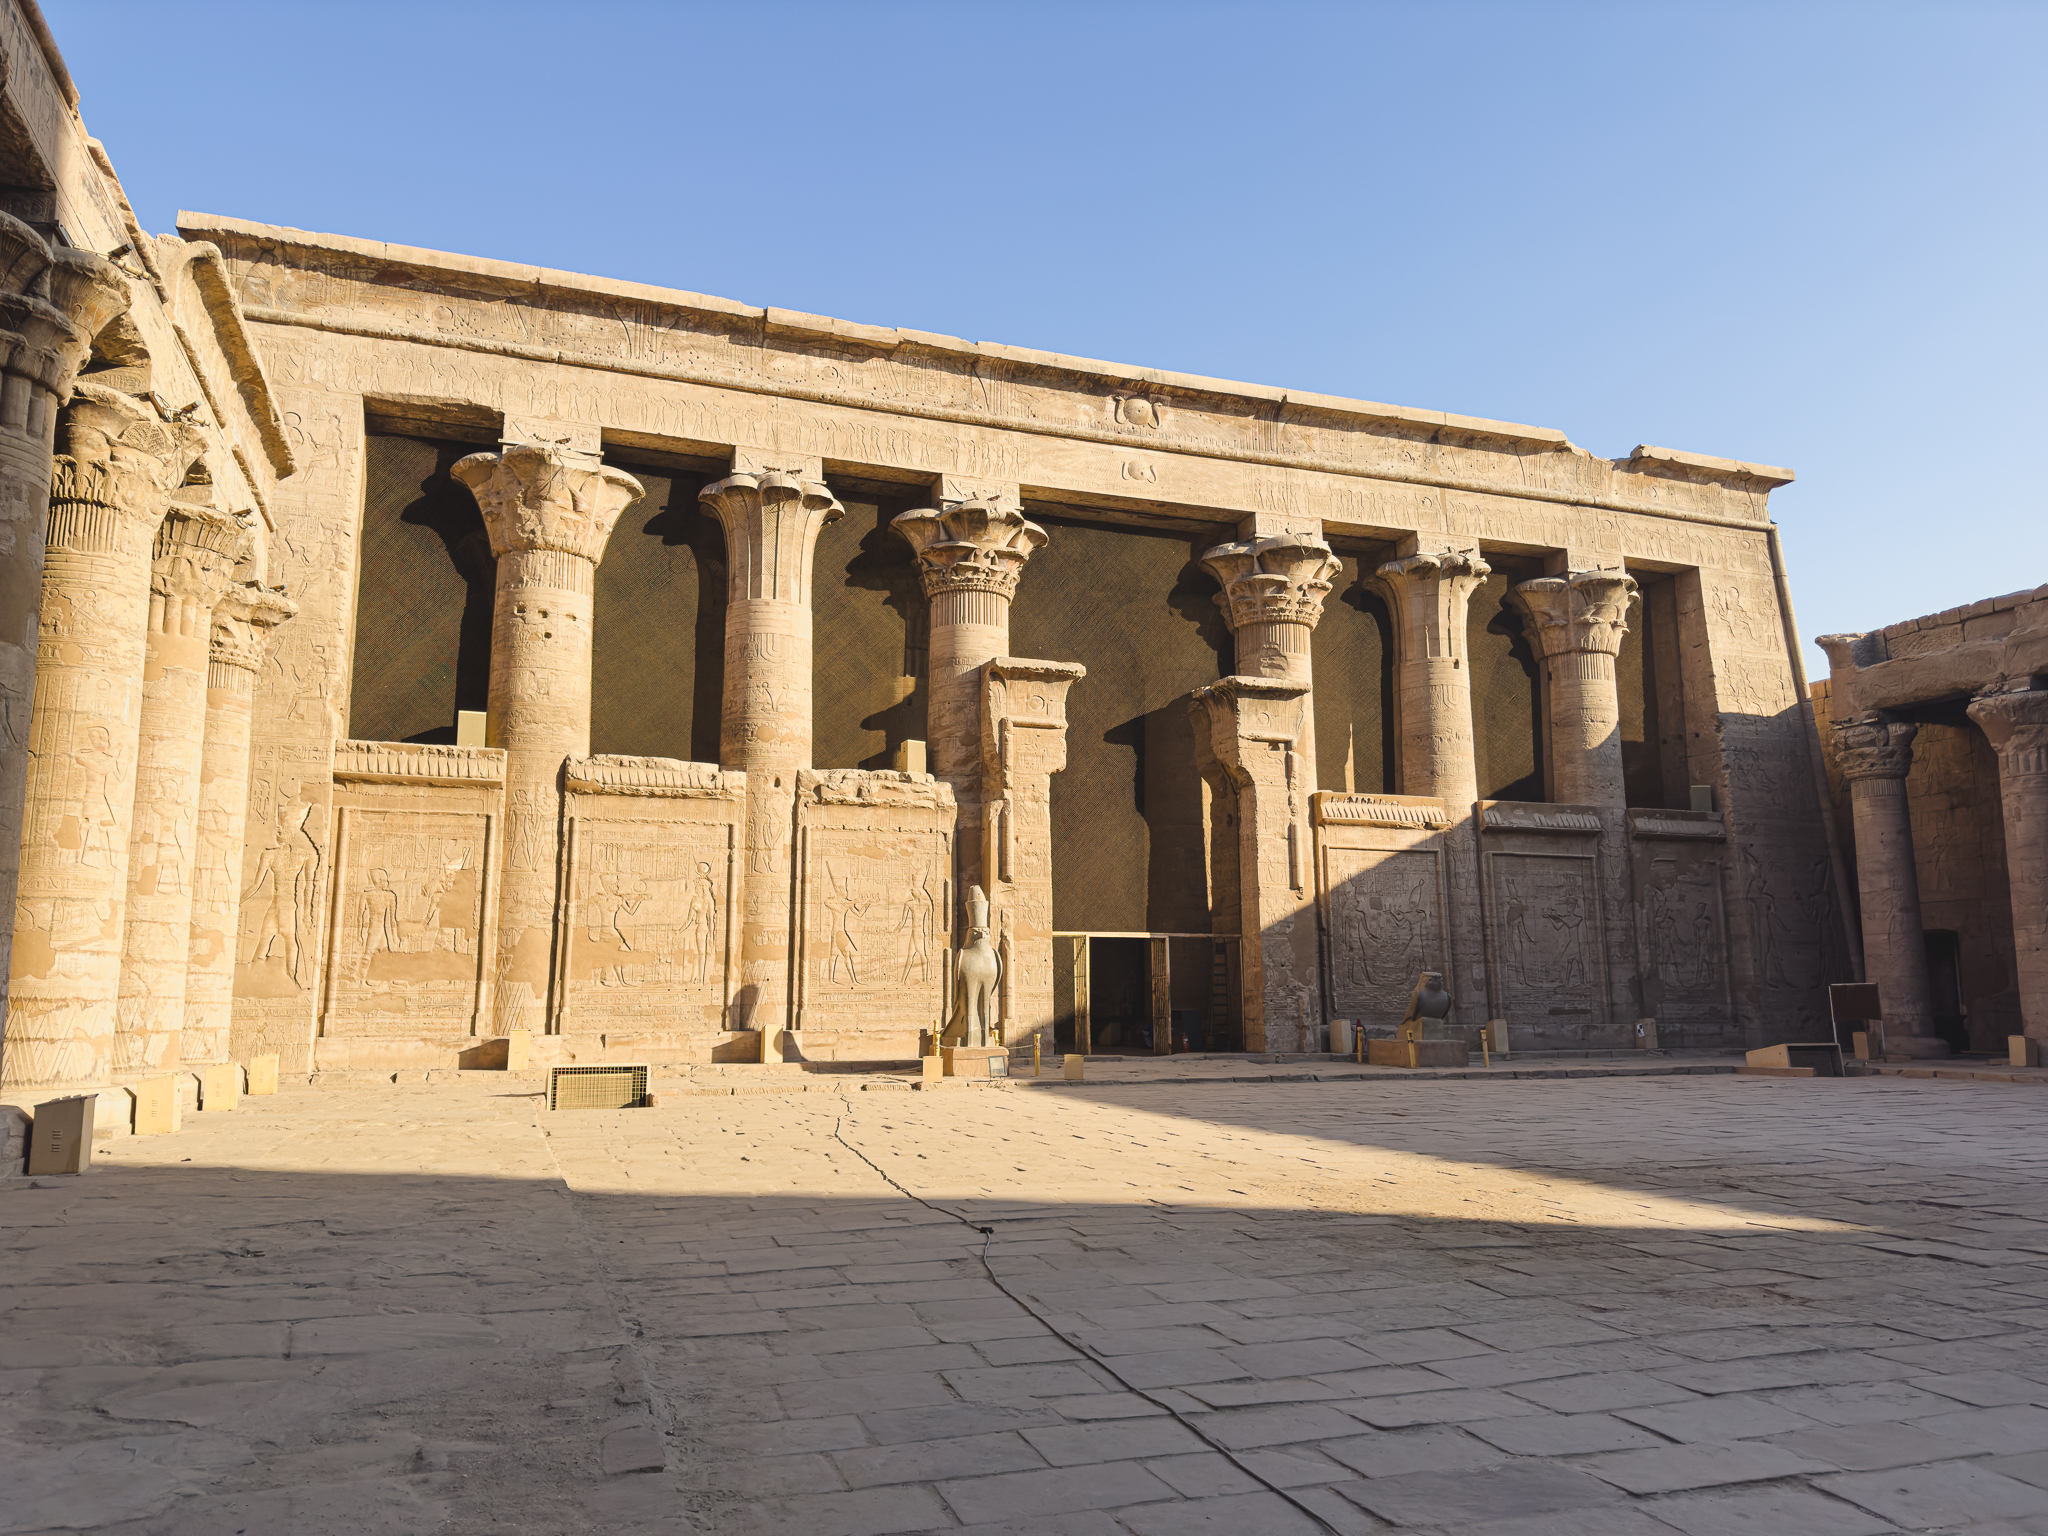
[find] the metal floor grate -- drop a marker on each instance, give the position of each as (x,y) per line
(606,1087)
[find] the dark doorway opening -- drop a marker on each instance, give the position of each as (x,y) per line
(1945,987)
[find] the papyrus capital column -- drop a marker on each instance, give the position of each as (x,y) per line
(243,620)
(2016,724)
(550,512)
(43,343)
(1875,754)
(970,555)
(1577,622)
(112,481)
(1246,729)
(192,562)
(1023,744)
(772,511)
(1430,594)
(1272,599)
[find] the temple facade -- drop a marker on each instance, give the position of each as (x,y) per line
(429,648)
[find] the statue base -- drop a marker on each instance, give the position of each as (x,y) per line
(1416,1053)
(975,1061)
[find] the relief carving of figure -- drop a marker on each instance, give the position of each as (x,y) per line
(100,780)
(844,913)
(379,926)
(919,923)
(284,877)
(607,906)
(700,925)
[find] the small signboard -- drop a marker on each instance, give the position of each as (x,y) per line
(1854,1002)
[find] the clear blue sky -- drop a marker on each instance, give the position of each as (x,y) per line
(1813,235)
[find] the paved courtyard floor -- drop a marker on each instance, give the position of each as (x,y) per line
(1619,1306)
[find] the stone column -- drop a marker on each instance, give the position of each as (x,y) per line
(1272,597)
(970,554)
(549,512)
(112,482)
(193,562)
(1576,622)
(1023,744)
(43,342)
(772,512)
(1248,727)
(2016,724)
(242,622)
(1430,592)
(1875,754)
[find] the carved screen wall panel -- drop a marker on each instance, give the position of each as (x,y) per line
(1507,709)
(423,611)
(1547,944)
(1386,926)
(1352,651)
(868,652)
(1682,941)
(405,951)
(658,628)
(1136,608)
(874,860)
(650,924)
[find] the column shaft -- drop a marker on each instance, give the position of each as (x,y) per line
(242,621)
(42,344)
(2017,725)
(1430,594)
(1272,598)
(195,553)
(1875,755)
(1577,622)
(970,555)
(549,511)
(772,518)
(109,492)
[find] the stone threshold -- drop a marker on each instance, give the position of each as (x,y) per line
(1947,1071)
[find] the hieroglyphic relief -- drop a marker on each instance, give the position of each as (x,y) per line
(651,935)
(1546,943)
(405,953)
(875,859)
(1380,879)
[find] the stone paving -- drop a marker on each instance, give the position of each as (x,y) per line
(1589,1307)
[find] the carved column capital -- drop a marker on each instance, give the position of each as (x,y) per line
(1429,593)
(1874,748)
(2015,722)
(1246,715)
(48,340)
(978,545)
(193,560)
(242,621)
(540,496)
(1278,580)
(772,519)
(1583,611)
(114,471)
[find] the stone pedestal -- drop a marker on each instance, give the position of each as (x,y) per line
(42,344)
(772,514)
(194,558)
(549,511)
(1245,733)
(1272,598)
(970,554)
(242,622)
(2016,724)
(1430,592)
(1875,754)
(1023,744)
(111,485)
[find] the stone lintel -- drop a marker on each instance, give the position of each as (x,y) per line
(663,778)
(405,762)
(1677,824)
(1539,816)
(1338,808)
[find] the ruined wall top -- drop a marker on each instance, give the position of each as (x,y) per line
(1985,646)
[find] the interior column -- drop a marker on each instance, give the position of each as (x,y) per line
(1577,622)
(549,510)
(1875,754)
(1272,597)
(194,560)
(2016,724)
(772,508)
